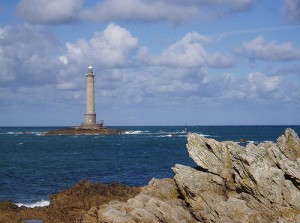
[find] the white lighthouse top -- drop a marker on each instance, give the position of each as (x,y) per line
(90,69)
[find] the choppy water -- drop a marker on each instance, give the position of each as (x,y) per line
(32,166)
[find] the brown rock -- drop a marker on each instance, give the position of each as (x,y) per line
(157,202)
(70,204)
(242,184)
(79,131)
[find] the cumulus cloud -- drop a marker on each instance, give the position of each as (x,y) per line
(291,10)
(109,48)
(190,52)
(50,11)
(67,11)
(260,49)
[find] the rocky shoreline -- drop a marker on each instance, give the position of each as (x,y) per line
(230,183)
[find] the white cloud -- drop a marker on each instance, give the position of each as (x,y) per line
(190,52)
(291,10)
(50,11)
(68,11)
(259,49)
(259,82)
(109,48)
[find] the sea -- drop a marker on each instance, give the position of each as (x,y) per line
(34,166)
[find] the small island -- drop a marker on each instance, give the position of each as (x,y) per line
(89,126)
(79,131)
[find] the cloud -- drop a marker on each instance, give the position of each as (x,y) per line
(50,11)
(259,49)
(176,12)
(109,48)
(259,82)
(190,52)
(291,10)
(26,55)
(137,10)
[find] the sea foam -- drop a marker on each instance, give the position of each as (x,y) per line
(41,203)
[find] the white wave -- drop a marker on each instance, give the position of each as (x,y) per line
(163,136)
(41,203)
(250,142)
(37,133)
(19,133)
(135,132)
(13,133)
(203,135)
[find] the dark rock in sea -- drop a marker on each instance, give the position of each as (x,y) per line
(80,131)
(231,183)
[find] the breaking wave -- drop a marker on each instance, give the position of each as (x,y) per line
(41,203)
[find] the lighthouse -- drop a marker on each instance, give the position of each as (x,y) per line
(90,115)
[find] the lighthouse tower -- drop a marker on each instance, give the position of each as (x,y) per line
(90,115)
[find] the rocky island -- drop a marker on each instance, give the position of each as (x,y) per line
(230,183)
(83,131)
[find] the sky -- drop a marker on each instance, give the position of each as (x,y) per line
(156,62)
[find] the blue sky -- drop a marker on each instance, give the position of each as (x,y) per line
(156,62)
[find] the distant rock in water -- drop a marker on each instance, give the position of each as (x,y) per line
(231,183)
(81,131)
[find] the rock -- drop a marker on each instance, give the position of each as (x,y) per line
(11,213)
(242,184)
(69,205)
(157,202)
(79,131)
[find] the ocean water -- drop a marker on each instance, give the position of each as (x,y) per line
(33,166)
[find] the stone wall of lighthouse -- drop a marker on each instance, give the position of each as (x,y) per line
(90,115)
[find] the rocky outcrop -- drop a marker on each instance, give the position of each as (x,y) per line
(80,131)
(157,202)
(69,205)
(242,184)
(230,184)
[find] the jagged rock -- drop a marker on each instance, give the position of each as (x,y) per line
(157,202)
(69,205)
(242,184)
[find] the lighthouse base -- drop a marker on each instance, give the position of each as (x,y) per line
(91,126)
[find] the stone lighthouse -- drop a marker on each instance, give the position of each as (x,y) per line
(90,115)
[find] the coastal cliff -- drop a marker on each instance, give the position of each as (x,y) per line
(230,183)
